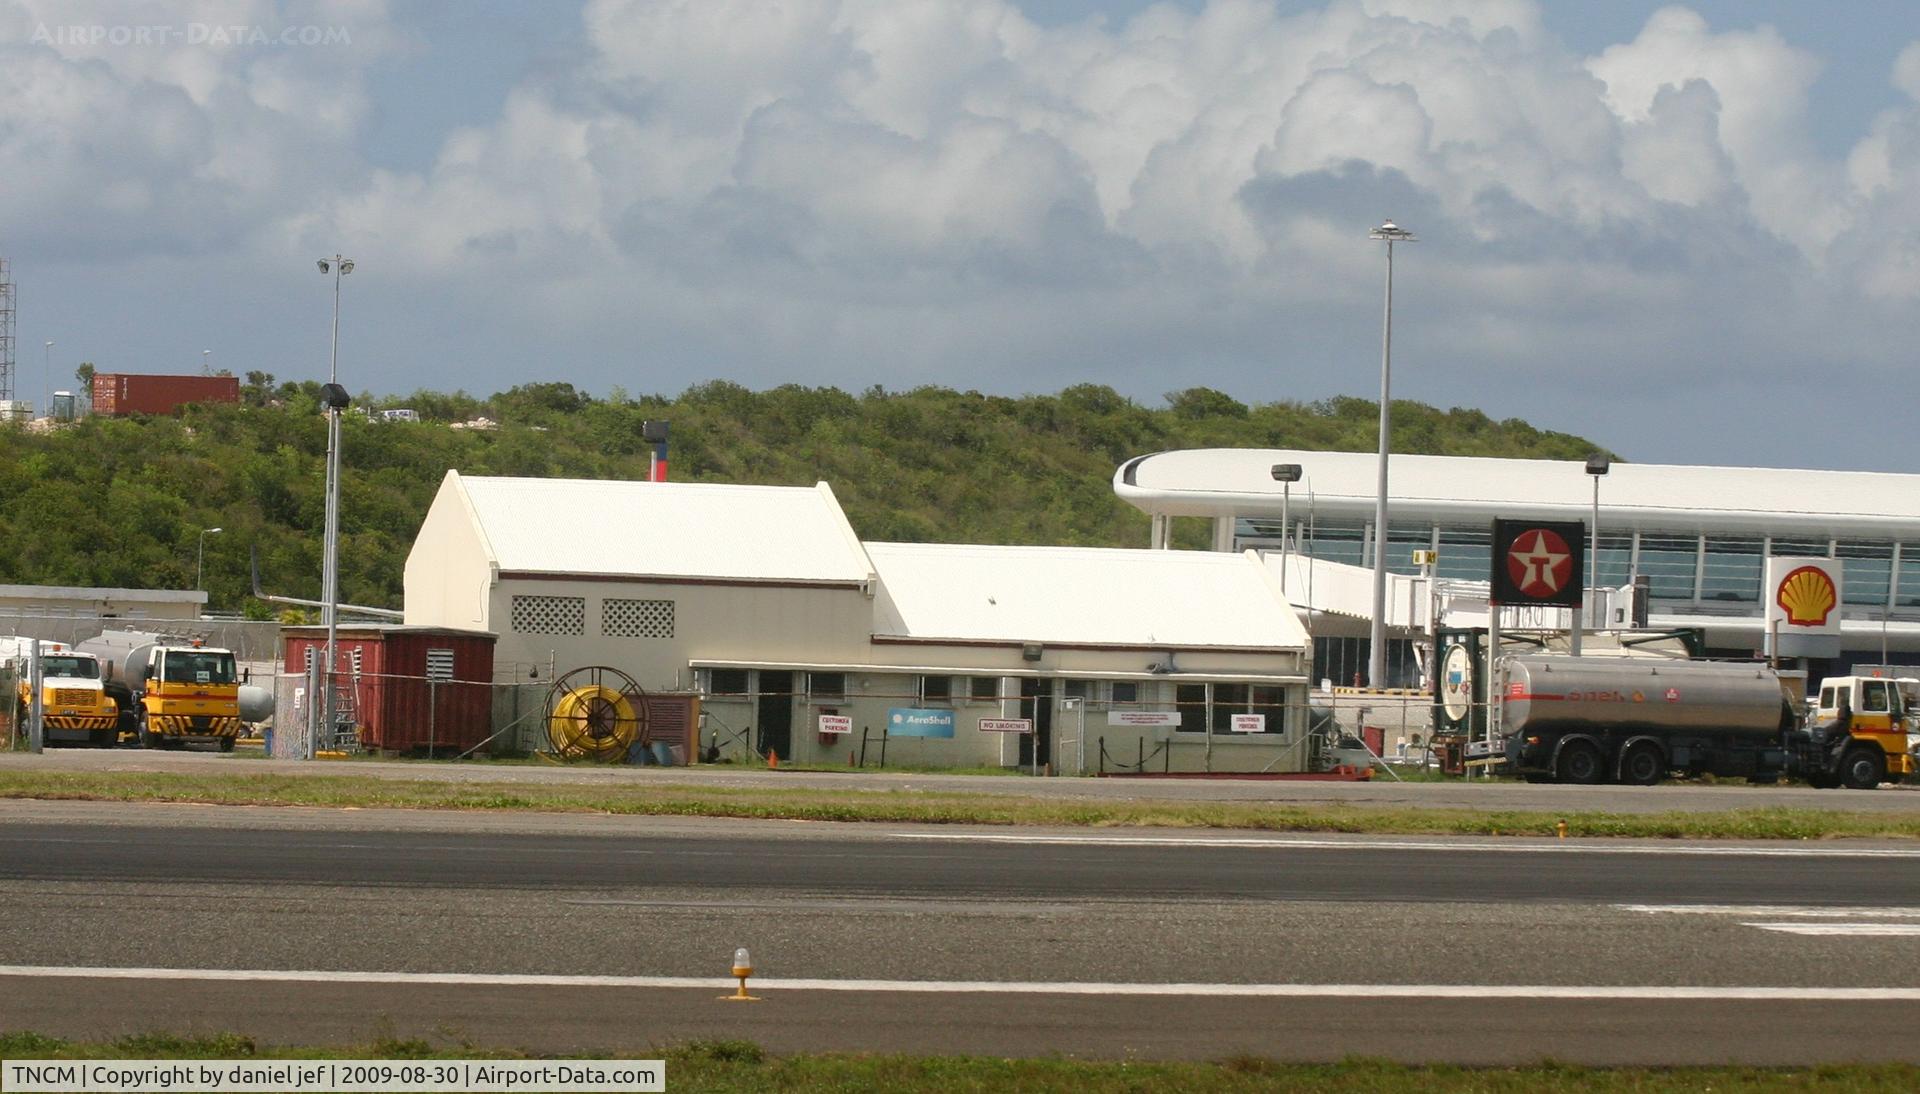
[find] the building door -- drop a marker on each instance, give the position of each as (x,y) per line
(776,713)
(1036,703)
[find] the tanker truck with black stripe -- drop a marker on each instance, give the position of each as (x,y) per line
(170,691)
(1639,719)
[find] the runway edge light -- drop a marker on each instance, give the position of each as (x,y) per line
(742,968)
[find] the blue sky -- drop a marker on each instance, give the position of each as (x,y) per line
(1666,227)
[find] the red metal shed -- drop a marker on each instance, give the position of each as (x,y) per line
(426,688)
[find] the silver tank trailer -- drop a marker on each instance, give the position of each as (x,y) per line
(122,654)
(1563,693)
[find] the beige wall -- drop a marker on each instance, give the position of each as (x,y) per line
(822,626)
(448,575)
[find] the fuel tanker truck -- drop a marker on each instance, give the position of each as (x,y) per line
(75,708)
(170,691)
(1637,720)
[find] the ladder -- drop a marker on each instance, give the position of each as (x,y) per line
(343,735)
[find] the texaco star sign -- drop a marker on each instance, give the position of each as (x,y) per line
(1540,563)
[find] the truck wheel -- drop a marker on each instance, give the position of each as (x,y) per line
(1863,769)
(226,744)
(148,738)
(1580,763)
(1642,765)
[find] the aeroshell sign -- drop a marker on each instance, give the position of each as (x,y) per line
(1802,596)
(919,722)
(1456,682)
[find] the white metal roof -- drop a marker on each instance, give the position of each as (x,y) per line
(1212,482)
(1080,596)
(666,529)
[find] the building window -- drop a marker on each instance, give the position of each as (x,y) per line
(1191,702)
(1668,562)
(1076,689)
(636,618)
(550,614)
(827,685)
(1228,700)
(726,681)
(1338,544)
(1907,593)
(1465,555)
(1402,542)
(1732,570)
(936,689)
(1610,566)
(1272,702)
(1869,567)
(439,664)
(984,687)
(1125,691)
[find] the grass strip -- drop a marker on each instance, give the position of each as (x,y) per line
(742,1065)
(936,807)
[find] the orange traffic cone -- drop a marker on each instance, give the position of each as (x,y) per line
(773,758)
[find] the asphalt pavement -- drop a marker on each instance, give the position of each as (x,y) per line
(565,933)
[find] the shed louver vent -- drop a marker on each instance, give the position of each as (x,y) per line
(439,664)
(636,618)
(550,614)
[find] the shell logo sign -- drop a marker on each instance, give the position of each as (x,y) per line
(1807,595)
(1803,606)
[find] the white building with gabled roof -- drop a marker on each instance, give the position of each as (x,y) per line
(765,601)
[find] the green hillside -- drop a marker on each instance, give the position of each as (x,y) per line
(122,502)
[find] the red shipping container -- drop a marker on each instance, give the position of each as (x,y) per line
(424,689)
(121,393)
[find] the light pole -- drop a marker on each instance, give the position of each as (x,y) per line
(1389,233)
(46,375)
(206,362)
(335,398)
(200,566)
(1286,474)
(1597,465)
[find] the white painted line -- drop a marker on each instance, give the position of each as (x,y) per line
(1015,987)
(1847,930)
(1781,911)
(1509,845)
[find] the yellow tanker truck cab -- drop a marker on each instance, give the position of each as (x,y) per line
(75,708)
(1877,711)
(191,693)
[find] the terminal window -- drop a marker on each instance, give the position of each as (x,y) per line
(984,687)
(936,689)
(726,681)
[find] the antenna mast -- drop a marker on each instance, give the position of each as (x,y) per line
(6,333)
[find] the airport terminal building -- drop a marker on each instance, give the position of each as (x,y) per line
(1699,536)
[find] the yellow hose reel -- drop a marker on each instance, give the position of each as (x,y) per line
(596,713)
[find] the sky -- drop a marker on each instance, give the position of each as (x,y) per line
(1684,231)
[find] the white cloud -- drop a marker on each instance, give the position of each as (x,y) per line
(944,190)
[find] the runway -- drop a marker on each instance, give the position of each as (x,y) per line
(312,925)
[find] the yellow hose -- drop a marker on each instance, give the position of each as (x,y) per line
(593,722)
